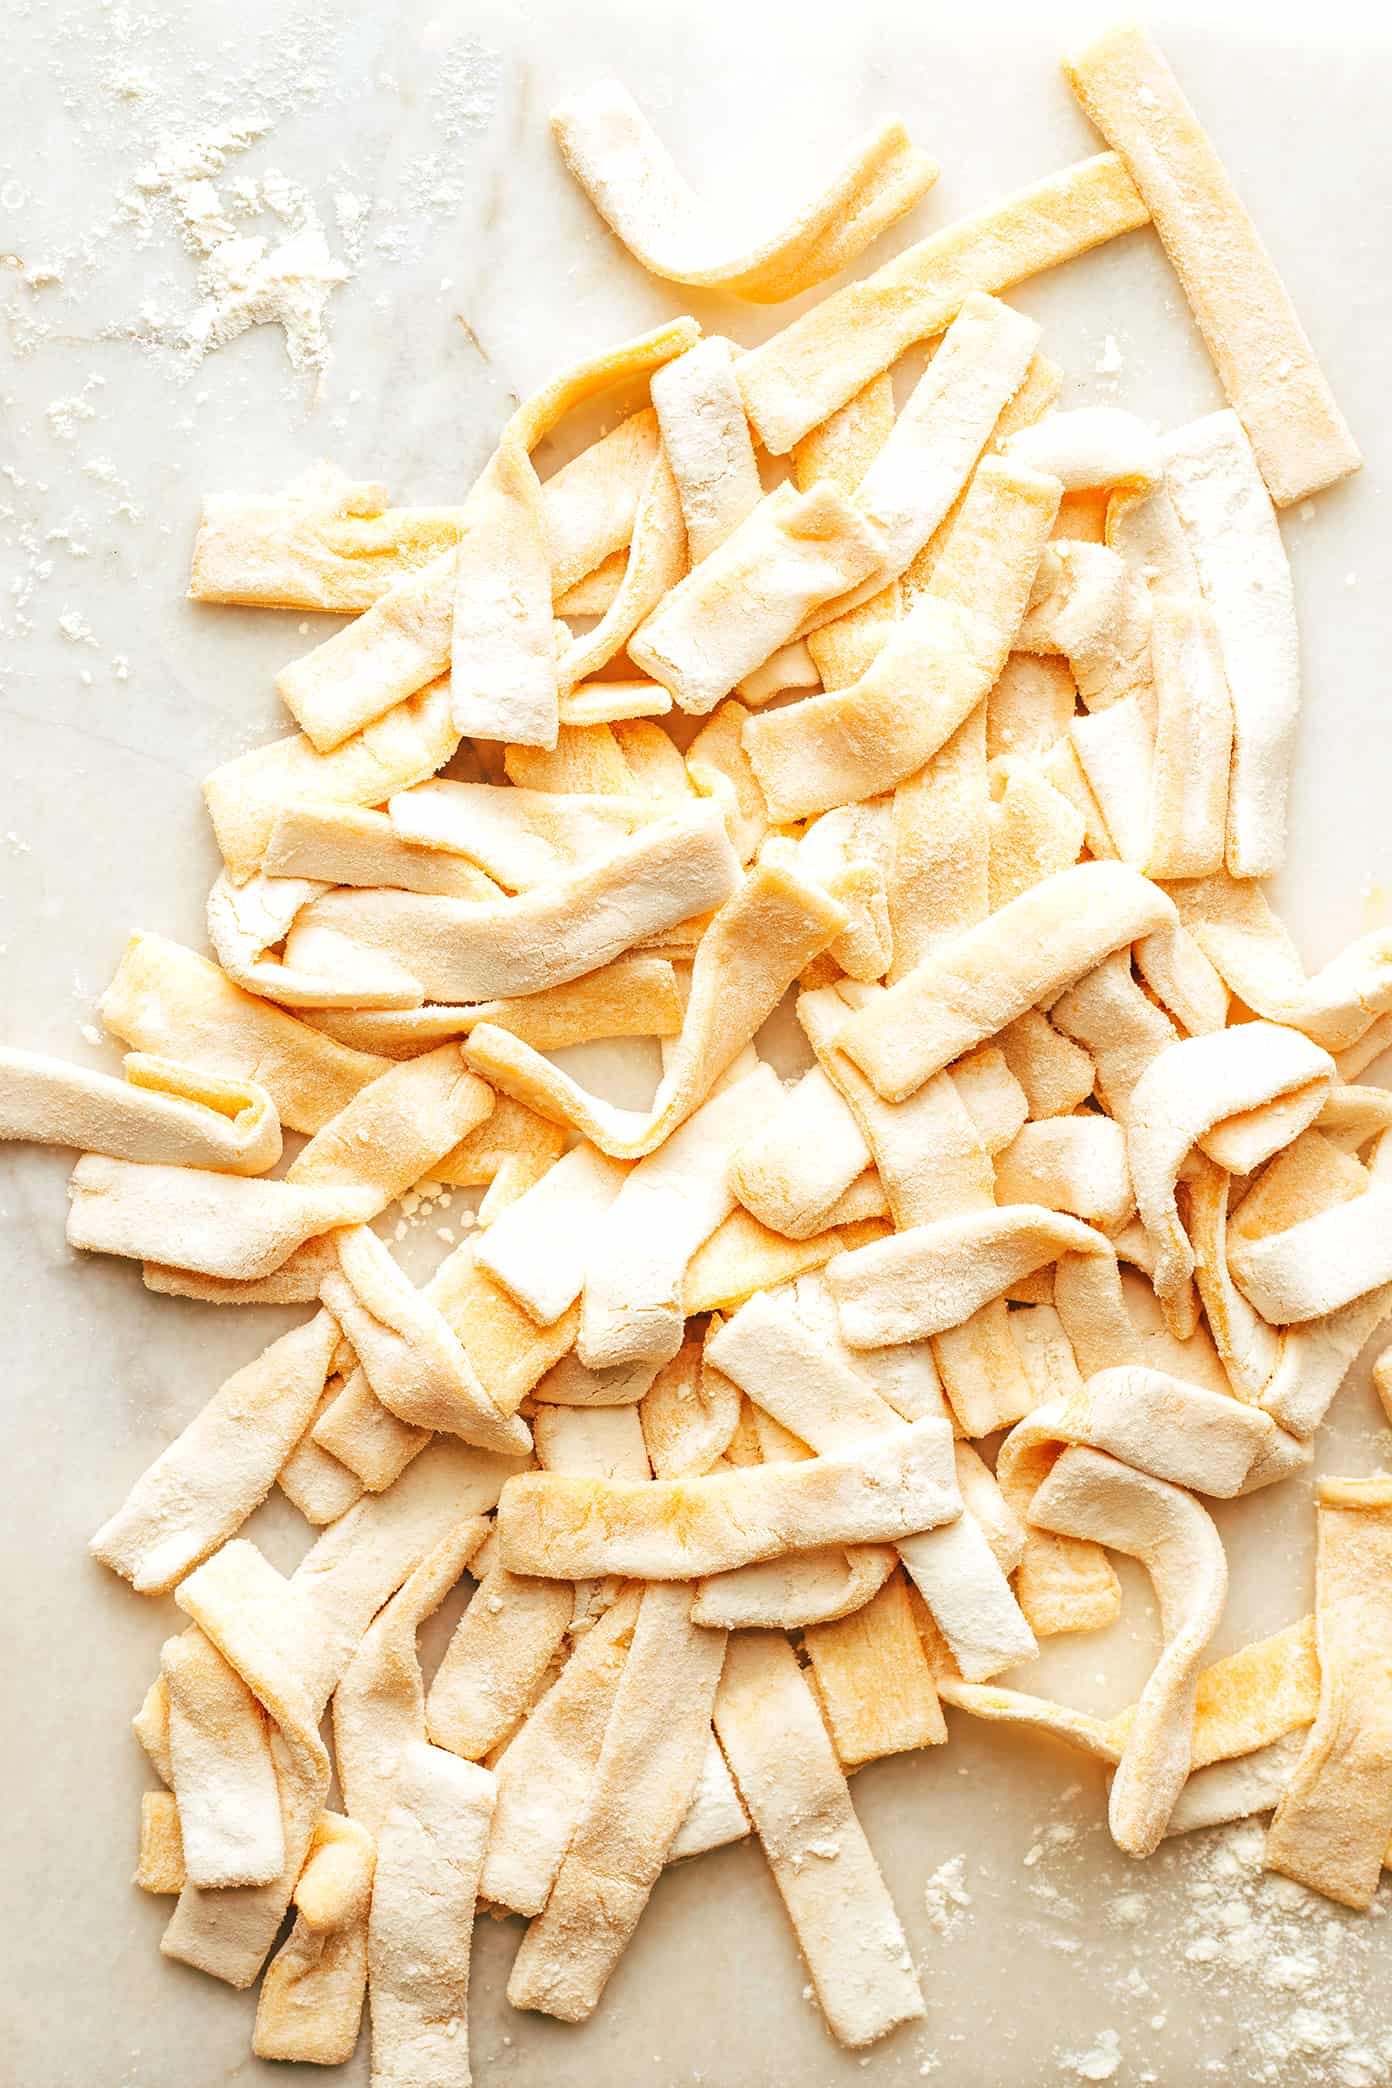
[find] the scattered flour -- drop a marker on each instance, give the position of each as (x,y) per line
(263,257)
(946,1895)
(1100,2062)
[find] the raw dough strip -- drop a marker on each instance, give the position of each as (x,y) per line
(163,1113)
(313,1481)
(246,921)
(1156,1423)
(1119,1027)
(1232,532)
(1074,1164)
(1193,742)
(793,1170)
(201,1489)
(223,1776)
(358,676)
(160,1868)
(783,1364)
(940,871)
(1091,446)
(504,681)
(379,1704)
(322,542)
(545,1770)
(933,669)
(688,1414)
(1183,1099)
(1236,929)
(816,364)
(679,1529)
(716,1815)
(1034,831)
(616,156)
(742,1256)
(539,1247)
(1183,979)
(507,1350)
(345,845)
(409,1353)
(635,996)
(643,1782)
(656,562)
(310,2004)
(1090,1495)
(165,999)
(1332,1826)
(640,1247)
(708,444)
(421,1926)
(1319,1265)
(967,990)
(497,1661)
(1250,1698)
(1115,750)
(794,1594)
(463,950)
(404,746)
(508,1154)
(1235,1790)
(1091,607)
(519,837)
(755,591)
(772,1733)
(1263,356)
(1247,1345)
(719,768)
(236,1599)
(843,449)
(758,943)
(216,1225)
(340,548)
(936,1276)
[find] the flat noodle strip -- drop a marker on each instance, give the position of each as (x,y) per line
(759,942)
(1320,1265)
(161,1865)
(796,1593)
(935,1276)
(504,682)
(791,1173)
(788,1776)
(754,593)
(409,1353)
(1161,1424)
(462,950)
(223,1775)
(639,1251)
(708,444)
(518,836)
(741,1257)
(246,921)
(1071,1164)
(216,1225)
(343,844)
(200,1490)
(635,996)
(404,746)
(539,1247)
(815,365)
(497,1661)
(165,999)
(843,449)
(1331,1828)
(310,2004)
(1233,535)
(940,871)
(162,1112)
(1193,743)
(1244,312)
(1183,1097)
(421,1927)
(320,543)
(618,159)
(680,1529)
(643,1782)
(1090,1495)
(932,671)
(973,985)
(1343,1003)
(544,1773)
(379,1704)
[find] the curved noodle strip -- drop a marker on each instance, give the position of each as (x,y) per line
(1090,1495)
(161,1114)
(618,159)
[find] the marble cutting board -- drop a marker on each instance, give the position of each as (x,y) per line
(1047,1955)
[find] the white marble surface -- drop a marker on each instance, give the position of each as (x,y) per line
(438,115)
